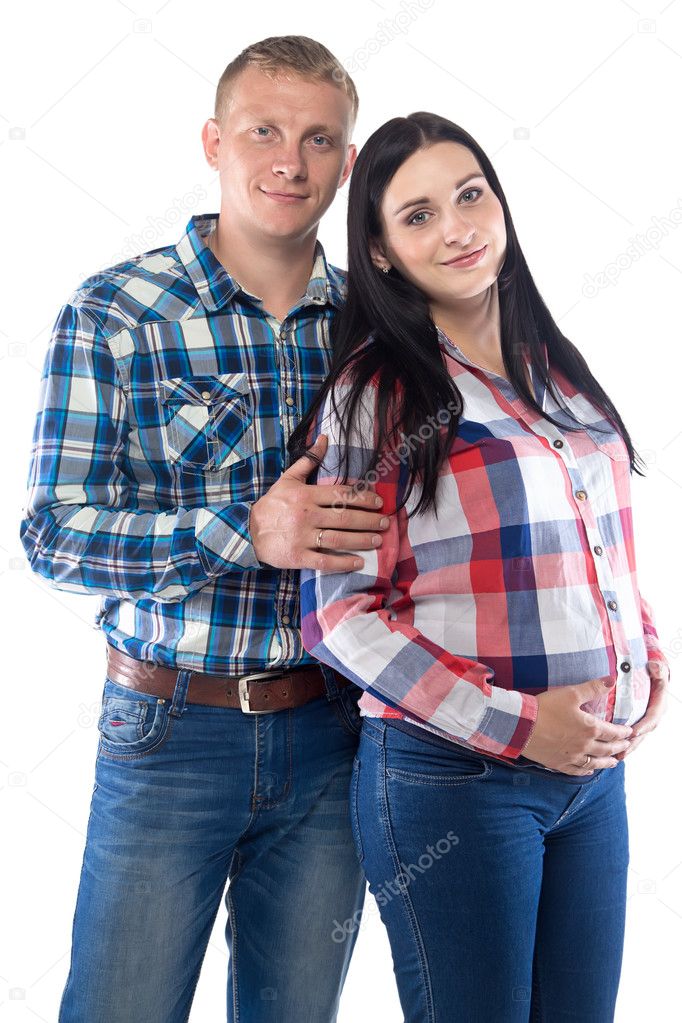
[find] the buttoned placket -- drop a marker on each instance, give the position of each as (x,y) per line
(289,415)
(600,560)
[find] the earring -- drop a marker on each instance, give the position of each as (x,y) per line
(385,269)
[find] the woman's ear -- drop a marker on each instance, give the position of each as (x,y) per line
(378,255)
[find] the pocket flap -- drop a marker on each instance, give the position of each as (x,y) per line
(212,388)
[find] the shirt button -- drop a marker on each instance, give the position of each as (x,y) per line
(581,495)
(285,619)
(625,666)
(613,605)
(282,334)
(205,395)
(558,443)
(289,400)
(598,550)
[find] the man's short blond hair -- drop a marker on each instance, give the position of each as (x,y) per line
(279,55)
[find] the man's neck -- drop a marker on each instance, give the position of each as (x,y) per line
(275,271)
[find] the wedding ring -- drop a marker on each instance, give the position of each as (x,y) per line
(319,538)
(587,760)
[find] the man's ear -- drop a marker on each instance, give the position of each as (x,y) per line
(210,139)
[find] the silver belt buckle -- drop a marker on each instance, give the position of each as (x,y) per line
(243,690)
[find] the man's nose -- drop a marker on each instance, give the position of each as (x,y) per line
(289,163)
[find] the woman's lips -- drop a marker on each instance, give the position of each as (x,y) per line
(469,260)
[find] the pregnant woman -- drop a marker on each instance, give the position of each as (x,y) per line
(506,661)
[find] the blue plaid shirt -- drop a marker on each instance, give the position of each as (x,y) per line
(167,397)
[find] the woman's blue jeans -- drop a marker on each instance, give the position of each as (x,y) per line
(503,892)
(185,797)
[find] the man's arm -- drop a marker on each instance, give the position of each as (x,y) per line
(76,530)
(346,624)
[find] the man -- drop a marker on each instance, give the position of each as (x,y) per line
(171,385)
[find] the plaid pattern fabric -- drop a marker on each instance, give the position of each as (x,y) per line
(525,580)
(167,397)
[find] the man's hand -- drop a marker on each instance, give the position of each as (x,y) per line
(286,521)
(659,674)
(564,733)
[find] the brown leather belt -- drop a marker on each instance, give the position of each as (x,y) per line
(257,693)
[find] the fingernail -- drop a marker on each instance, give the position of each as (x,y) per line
(383,522)
(376,540)
(378,501)
(358,563)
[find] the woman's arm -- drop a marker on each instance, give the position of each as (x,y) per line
(346,622)
(651,639)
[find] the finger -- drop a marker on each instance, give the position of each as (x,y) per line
(352,522)
(308,462)
(322,562)
(343,540)
(339,497)
(633,746)
(607,749)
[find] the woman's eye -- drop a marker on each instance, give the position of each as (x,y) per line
(470,190)
(413,220)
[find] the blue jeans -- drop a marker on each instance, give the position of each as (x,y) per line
(503,892)
(186,797)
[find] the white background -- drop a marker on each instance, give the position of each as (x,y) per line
(102,104)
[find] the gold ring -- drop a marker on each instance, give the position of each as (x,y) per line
(319,538)
(587,760)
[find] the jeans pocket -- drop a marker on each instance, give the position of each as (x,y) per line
(416,761)
(346,708)
(131,724)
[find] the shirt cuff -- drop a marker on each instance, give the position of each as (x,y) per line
(224,539)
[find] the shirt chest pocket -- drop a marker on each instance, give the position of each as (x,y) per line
(207,421)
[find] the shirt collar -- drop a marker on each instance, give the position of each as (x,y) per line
(216,287)
(540,389)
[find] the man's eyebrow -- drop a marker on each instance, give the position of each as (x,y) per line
(312,129)
(425,199)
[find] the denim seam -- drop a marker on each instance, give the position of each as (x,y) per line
(268,804)
(233,926)
(442,780)
(577,801)
(342,713)
(404,895)
(113,755)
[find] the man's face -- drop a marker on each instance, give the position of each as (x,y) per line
(282,150)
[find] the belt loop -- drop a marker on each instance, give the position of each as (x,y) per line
(180,692)
(330,682)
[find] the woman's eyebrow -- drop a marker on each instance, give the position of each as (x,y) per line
(425,198)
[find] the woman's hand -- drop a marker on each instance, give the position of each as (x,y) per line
(564,733)
(659,674)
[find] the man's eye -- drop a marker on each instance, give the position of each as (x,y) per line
(261,128)
(324,139)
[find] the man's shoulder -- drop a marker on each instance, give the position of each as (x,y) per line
(151,286)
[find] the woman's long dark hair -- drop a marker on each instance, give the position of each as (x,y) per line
(403,353)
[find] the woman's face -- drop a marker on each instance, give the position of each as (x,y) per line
(437,206)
